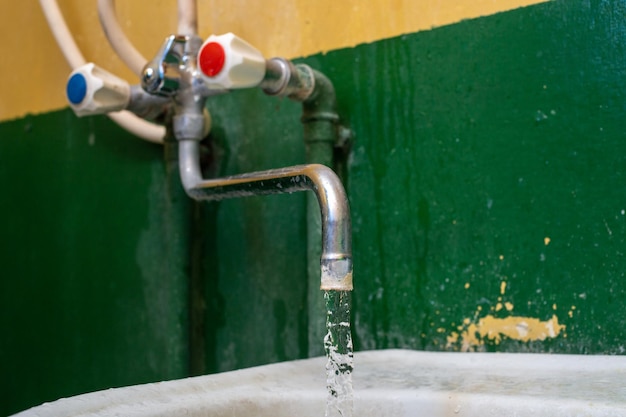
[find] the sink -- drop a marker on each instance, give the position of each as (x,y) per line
(389,383)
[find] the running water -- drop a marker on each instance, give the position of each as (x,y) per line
(338,346)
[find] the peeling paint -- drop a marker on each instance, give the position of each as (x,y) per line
(507,305)
(476,332)
(493,329)
(570,313)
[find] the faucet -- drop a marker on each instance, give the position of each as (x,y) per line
(177,83)
(175,86)
(336,259)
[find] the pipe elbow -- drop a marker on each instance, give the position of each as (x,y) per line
(321,104)
(336,258)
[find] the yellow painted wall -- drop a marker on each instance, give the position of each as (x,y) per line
(34,71)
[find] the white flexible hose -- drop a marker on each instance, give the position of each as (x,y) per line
(118,40)
(60,31)
(138,126)
(187,17)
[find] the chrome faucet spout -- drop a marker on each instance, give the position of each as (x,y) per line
(336,242)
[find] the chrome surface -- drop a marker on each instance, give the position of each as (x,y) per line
(336,242)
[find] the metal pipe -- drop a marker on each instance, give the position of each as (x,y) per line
(319,121)
(336,257)
(321,135)
(146,106)
(284,79)
(319,132)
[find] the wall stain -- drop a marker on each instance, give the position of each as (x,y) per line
(473,335)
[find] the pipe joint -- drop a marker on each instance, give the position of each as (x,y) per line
(147,106)
(191,126)
(284,79)
(322,102)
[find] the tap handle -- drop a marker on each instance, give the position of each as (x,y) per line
(92,90)
(161,75)
(227,61)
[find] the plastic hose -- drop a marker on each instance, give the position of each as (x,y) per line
(118,40)
(187,17)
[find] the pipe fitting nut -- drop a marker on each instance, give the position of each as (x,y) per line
(191,126)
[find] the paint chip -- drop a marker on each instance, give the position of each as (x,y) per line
(570,313)
(494,330)
(507,305)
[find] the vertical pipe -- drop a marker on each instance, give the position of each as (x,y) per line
(319,119)
(316,152)
(320,133)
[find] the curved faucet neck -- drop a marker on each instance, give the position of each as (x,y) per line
(336,225)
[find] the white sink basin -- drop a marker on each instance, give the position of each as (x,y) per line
(390,383)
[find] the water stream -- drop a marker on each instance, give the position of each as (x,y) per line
(338,346)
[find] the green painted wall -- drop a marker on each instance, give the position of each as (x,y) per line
(475,142)
(487,152)
(254,259)
(93,288)
(487,170)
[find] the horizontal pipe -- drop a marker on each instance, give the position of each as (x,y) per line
(336,259)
